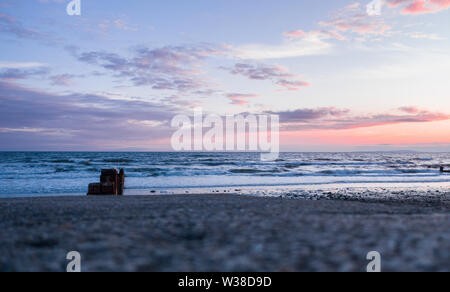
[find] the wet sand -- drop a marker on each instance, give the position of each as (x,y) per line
(224,232)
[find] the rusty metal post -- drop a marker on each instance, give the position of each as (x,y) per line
(111,183)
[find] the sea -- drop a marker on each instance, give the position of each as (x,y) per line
(28,174)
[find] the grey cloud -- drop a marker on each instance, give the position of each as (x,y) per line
(166,68)
(64,79)
(25,73)
(338,119)
(82,120)
(276,74)
(14,27)
(307,115)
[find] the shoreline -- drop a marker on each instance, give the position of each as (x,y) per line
(224,232)
(312,192)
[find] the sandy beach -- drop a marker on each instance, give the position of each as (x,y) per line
(225,232)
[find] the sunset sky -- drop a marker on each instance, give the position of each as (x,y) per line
(114,77)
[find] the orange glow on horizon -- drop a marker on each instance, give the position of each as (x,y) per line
(401,134)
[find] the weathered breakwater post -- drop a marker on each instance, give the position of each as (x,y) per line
(112,183)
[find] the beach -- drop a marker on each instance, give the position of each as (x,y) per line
(227,232)
(224,136)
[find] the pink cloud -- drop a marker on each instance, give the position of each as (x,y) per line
(395,3)
(409,109)
(417,7)
(357,24)
(292,85)
(354,19)
(6,18)
(343,119)
(295,33)
(420,6)
(441,3)
(240,99)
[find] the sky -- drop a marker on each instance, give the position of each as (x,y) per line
(111,79)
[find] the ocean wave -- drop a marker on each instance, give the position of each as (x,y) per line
(296,165)
(218,163)
(246,171)
(62,161)
(256,171)
(412,171)
(422,159)
(140,170)
(117,160)
(68,169)
(436,166)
